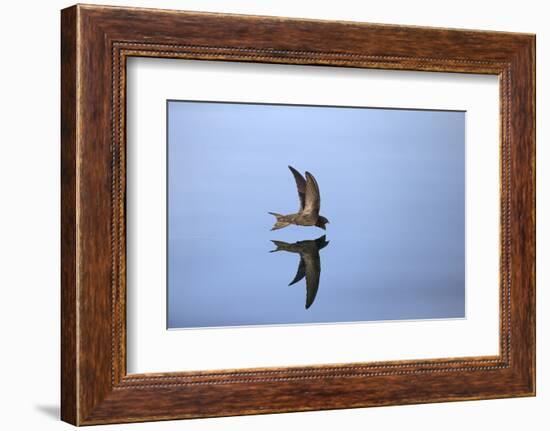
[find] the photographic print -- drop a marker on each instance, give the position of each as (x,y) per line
(299,214)
(265,214)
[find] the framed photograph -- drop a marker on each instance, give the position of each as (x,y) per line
(264,214)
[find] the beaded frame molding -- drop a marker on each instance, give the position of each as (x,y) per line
(95,43)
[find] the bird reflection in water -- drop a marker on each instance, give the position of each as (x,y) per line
(310,263)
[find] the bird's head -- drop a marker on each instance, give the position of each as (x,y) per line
(322,222)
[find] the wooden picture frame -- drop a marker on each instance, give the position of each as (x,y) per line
(95,43)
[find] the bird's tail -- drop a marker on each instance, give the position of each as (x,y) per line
(281,245)
(280,223)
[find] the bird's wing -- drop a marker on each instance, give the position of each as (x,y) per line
(312,203)
(301,185)
(301,273)
(313,275)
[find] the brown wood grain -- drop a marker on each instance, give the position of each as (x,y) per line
(69,368)
(96,41)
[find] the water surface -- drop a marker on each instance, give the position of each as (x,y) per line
(392,186)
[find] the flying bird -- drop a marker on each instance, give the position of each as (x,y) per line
(310,204)
(310,263)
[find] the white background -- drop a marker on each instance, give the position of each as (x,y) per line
(29,215)
(151,348)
